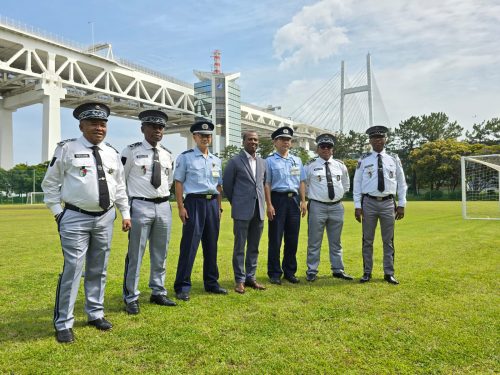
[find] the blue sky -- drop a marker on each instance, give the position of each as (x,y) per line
(427,55)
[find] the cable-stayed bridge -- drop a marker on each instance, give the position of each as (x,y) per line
(37,67)
(345,103)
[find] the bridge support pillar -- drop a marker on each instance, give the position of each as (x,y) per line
(51,133)
(6,138)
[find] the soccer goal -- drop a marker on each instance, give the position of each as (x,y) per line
(480,187)
(34,197)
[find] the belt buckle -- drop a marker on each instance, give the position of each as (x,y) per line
(289,195)
(380,198)
(208,196)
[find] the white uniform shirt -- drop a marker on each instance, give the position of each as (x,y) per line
(317,187)
(72,177)
(366,178)
(138,165)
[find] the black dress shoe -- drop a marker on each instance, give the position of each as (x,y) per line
(366,277)
(342,275)
(161,300)
(311,277)
(391,279)
(183,296)
(275,280)
(132,308)
(292,279)
(217,290)
(65,336)
(101,324)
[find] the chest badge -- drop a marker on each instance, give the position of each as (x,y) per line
(111,170)
(370,174)
(391,174)
(338,178)
(83,171)
(319,178)
(143,168)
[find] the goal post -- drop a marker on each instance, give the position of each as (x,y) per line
(35,197)
(480,187)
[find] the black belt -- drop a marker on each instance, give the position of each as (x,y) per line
(204,196)
(69,206)
(327,203)
(289,194)
(154,200)
(390,196)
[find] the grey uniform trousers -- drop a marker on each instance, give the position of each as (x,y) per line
(246,232)
(373,211)
(84,239)
(321,216)
(150,221)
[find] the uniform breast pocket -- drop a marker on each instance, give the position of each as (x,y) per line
(166,166)
(82,168)
(200,173)
(390,171)
(110,166)
(319,175)
(369,173)
(278,173)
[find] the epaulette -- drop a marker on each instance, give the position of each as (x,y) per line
(187,151)
(62,143)
(134,145)
(166,149)
(109,145)
(311,161)
(365,155)
(392,155)
(340,161)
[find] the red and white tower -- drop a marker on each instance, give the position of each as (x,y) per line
(216,56)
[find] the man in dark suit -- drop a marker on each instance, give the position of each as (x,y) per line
(243,184)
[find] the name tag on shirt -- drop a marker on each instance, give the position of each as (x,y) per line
(82,155)
(295,171)
(141,156)
(215,173)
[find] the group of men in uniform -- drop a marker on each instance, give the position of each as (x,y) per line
(87,177)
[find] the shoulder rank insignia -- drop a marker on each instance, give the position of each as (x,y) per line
(166,149)
(187,151)
(62,143)
(365,155)
(134,145)
(310,161)
(109,145)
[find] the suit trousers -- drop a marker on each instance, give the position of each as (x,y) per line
(320,217)
(246,233)
(285,225)
(85,240)
(150,222)
(373,211)
(203,225)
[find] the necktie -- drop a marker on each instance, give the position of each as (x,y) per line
(156,175)
(329,182)
(380,174)
(101,180)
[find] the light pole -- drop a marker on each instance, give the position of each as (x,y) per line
(92,31)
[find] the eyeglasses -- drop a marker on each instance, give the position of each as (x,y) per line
(325,145)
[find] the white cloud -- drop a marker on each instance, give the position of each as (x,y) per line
(312,34)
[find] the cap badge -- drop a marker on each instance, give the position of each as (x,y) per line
(285,131)
(204,126)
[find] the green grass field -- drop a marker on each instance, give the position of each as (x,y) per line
(442,319)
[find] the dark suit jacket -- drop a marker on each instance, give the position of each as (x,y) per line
(242,189)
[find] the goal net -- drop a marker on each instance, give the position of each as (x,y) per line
(480,187)
(35,197)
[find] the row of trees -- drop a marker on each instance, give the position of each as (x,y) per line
(429,146)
